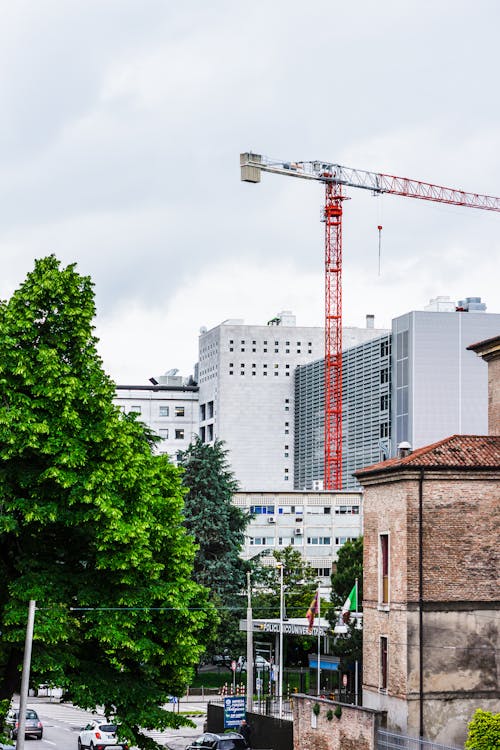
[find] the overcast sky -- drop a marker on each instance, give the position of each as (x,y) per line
(120,132)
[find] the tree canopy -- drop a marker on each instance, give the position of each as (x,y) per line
(348,569)
(91,522)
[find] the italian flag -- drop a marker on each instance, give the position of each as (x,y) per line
(351,603)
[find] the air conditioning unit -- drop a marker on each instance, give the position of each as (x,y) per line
(298,530)
(271,519)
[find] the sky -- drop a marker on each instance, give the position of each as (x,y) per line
(121,128)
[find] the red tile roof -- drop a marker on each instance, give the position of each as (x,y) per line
(455,452)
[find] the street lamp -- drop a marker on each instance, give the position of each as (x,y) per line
(280,673)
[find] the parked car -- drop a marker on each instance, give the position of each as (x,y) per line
(33,727)
(226,741)
(223,660)
(98,735)
(259,663)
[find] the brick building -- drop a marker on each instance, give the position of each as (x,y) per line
(489,350)
(431,586)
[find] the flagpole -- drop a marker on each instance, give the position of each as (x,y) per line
(356,666)
(319,641)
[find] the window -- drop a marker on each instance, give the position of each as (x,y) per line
(266,541)
(383,662)
(179,411)
(384,402)
(385,348)
(340,540)
(384,375)
(164,410)
(384,568)
(135,409)
(319,540)
(164,434)
(179,434)
(384,429)
(258,510)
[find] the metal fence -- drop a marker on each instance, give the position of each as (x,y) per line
(392,741)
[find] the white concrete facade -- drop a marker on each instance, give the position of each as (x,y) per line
(316,524)
(247,395)
(171,411)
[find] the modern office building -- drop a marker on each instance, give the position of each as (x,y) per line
(417,384)
(366,404)
(317,524)
(169,407)
(439,388)
(247,393)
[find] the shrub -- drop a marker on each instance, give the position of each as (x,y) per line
(484,731)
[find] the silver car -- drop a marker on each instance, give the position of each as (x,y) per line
(33,728)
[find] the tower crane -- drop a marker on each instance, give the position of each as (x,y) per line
(335,177)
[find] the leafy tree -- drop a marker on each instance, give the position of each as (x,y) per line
(484,731)
(218,528)
(299,587)
(349,567)
(91,522)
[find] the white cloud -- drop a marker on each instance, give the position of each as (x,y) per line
(120,137)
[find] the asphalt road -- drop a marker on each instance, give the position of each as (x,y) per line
(62,724)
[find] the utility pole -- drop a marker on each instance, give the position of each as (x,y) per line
(249,646)
(23,698)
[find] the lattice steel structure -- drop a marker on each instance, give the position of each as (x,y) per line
(334,176)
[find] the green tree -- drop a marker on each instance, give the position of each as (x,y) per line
(348,569)
(484,731)
(218,527)
(91,522)
(299,587)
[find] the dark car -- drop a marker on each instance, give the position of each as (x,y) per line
(33,728)
(226,741)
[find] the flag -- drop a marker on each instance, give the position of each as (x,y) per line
(312,611)
(351,603)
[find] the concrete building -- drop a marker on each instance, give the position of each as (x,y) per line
(366,397)
(431,608)
(417,384)
(489,350)
(317,524)
(247,393)
(438,387)
(169,407)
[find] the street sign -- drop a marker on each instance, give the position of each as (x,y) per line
(233,665)
(344,680)
(234,710)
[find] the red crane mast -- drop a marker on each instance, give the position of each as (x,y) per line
(334,176)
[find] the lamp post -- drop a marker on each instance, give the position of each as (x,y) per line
(25,679)
(280,673)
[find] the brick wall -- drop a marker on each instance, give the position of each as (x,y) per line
(461,524)
(494,396)
(355,730)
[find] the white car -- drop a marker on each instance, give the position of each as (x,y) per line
(259,663)
(99,735)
